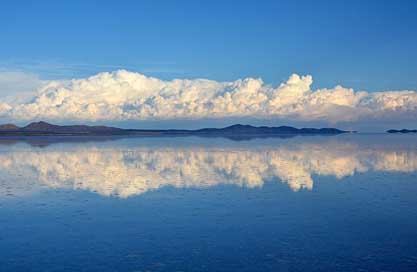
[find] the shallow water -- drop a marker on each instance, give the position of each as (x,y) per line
(339,203)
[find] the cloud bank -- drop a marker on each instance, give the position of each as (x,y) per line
(124,95)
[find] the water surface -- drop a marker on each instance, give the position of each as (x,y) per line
(335,203)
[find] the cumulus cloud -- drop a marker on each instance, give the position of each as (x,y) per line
(124,95)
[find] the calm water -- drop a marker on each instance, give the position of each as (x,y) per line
(340,203)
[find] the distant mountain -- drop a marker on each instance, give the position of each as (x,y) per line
(238,130)
(9,127)
(248,129)
(402,131)
(46,127)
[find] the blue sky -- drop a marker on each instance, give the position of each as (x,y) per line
(364,45)
(367,45)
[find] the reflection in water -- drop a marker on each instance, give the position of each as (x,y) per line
(125,171)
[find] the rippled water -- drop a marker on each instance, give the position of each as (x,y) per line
(339,203)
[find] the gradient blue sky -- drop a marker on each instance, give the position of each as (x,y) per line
(368,45)
(364,45)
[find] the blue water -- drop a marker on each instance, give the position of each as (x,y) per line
(342,203)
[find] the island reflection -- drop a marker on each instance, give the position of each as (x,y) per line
(125,171)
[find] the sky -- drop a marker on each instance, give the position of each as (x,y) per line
(141,63)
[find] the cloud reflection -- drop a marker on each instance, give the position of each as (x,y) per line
(128,171)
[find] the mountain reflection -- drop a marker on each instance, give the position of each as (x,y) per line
(125,171)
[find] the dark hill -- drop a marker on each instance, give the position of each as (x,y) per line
(402,131)
(248,129)
(79,129)
(238,130)
(9,127)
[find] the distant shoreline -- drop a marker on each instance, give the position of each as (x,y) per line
(402,131)
(45,129)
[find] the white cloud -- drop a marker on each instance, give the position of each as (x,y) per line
(123,95)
